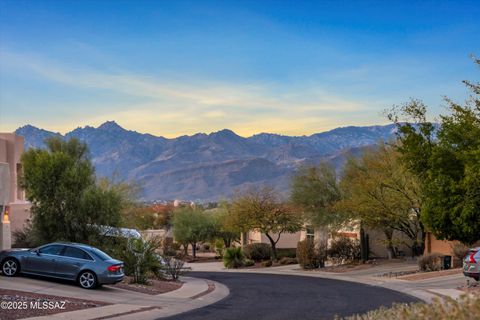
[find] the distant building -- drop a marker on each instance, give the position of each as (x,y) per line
(14,209)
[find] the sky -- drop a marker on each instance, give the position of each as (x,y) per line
(172,68)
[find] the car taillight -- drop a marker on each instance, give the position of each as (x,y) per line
(472,259)
(114,268)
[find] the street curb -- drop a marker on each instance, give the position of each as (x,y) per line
(196,293)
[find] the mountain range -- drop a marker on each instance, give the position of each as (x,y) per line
(209,167)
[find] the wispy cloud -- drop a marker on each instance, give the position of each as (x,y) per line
(174,107)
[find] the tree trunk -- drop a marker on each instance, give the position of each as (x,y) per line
(227,242)
(274,247)
(185,249)
(389,236)
(194,249)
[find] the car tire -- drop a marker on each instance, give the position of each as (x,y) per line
(87,280)
(10,267)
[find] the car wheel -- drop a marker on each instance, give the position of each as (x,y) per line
(87,280)
(10,267)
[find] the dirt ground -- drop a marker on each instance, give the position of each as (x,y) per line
(154,286)
(19,304)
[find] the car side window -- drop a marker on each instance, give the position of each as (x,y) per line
(53,249)
(76,253)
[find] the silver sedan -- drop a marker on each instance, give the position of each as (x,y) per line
(87,265)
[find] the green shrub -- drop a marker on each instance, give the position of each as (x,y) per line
(233,258)
(219,247)
(248,263)
(287,260)
(266,263)
(258,251)
(344,249)
(309,256)
(430,262)
(286,252)
(140,259)
(466,308)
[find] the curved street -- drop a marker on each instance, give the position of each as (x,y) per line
(276,297)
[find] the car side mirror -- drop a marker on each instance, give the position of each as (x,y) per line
(35,251)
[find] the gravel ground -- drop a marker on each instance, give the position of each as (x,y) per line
(154,287)
(19,304)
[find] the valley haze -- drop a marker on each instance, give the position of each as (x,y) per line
(210,167)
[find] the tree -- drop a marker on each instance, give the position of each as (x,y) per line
(315,190)
(224,226)
(67,204)
(382,193)
(447,163)
(192,225)
(262,210)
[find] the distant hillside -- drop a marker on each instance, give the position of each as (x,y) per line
(210,166)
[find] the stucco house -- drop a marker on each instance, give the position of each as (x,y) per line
(14,208)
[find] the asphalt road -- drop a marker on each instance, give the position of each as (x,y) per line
(277,297)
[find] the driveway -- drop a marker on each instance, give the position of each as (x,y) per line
(276,297)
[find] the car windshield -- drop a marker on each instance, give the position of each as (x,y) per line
(102,255)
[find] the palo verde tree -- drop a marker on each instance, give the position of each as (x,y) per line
(447,162)
(315,189)
(262,210)
(378,190)
(224,225)
(191,226)
(67,204)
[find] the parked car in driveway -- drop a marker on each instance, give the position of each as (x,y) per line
(87,265)
(471,264)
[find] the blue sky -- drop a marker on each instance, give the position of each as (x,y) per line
(180,67)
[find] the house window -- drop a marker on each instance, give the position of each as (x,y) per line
(310,233)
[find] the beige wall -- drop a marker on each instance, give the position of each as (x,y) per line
(287,240)
(19,215)
(11,150)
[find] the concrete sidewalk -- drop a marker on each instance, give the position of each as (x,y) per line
(426,290)
(195,293)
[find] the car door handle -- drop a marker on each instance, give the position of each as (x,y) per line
(53,260)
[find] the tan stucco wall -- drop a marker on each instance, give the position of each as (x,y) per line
(287,240)
(11,150)
(19,215)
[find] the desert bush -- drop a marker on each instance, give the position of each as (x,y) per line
(459,251)
(266,263)
(466,308)
(258,251)
(309,256)
(24,238)
(219,247)
(430,262)
(140,259)
(287,260)
(344,249)
(286,252)
(233,258)
(248,263)
(172,267)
